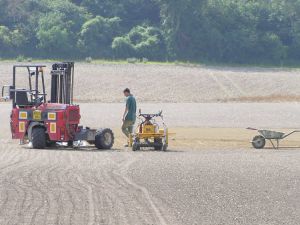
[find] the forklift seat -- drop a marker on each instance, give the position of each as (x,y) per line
(22,98)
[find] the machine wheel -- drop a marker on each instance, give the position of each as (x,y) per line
(50,144)
(158,144)
(38,138)
(259,142)
(136,146)
(104,139)
(165,147)
(70,144)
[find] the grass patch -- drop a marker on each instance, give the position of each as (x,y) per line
(285,65)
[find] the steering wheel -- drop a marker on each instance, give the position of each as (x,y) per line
(40,99)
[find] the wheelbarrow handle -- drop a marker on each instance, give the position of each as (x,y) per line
(250,128)
(295,131)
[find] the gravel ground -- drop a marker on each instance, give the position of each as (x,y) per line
(223,187)
(176,84)
(202,187)
(219,115)
(199,181)
(208,186)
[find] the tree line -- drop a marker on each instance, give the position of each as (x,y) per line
(229,31)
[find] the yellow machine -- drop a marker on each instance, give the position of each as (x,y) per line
(150,133)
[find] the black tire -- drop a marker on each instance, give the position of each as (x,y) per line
(50,144)
(38,138)
(158,144)
(104,139)
(70,144)
(136,146)
(165,147)
(259,142)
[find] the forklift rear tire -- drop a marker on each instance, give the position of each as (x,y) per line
(259,142)
(38,138)
(104,139)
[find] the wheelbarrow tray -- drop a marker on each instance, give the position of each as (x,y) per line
(268,134)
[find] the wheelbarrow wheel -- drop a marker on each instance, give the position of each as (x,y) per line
(259,142)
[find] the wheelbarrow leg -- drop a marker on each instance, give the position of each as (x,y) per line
(274,144)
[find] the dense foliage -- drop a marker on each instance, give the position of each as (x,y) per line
(234,31)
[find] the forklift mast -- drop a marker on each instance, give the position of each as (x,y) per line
(62,83)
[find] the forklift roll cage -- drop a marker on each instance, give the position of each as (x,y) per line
(62,85)
(20,96)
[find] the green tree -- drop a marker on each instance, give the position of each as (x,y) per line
(10,41)
(123,48)
(97,34)
(146,41)
(54,38)
(5,40)
(234,31)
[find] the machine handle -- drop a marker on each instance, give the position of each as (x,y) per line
(2,92)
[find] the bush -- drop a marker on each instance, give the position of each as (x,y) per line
(98,33)
(123,48)
(20,58)
(132,60)
(88,59)
(141,41)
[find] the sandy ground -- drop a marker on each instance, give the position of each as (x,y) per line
(196,126)
(176,84)
(210,175)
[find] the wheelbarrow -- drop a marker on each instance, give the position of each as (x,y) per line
(259,141)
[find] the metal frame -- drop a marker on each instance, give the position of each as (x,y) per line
(62,83)
(144,118)
(38,73)
(274,136)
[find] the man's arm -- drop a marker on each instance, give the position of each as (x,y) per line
(125,113)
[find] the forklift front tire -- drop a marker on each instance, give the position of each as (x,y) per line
(38,138)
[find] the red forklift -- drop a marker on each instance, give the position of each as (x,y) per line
(48,123)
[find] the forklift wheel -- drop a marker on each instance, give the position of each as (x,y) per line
(50,144)
(259,142)
(104,139)
(38,138)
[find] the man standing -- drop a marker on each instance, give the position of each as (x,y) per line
(129,116)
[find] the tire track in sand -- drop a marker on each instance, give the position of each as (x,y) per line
(235,89)
(121,172)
